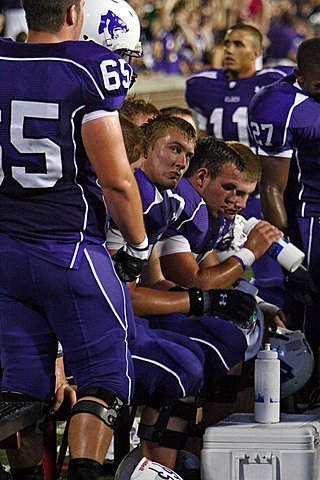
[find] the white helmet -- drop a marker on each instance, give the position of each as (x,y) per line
(296,359)
(136,467)
(113,24)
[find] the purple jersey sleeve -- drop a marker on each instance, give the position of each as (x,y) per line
(193,222)
(49,193)
(284,121)
(157,208)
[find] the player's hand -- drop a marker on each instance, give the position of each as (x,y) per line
(261,237)
(301,287)
(63,389)
(232,304)
(130,260)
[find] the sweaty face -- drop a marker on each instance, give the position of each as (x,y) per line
(310,82)
(227,193)
(169,159)
(240,54)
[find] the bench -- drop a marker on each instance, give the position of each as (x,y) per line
(14,416)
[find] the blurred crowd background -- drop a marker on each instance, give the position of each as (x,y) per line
(183,36)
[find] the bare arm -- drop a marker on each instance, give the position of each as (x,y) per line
(152,297)
(274,180)
(182,267)
(104,145)
(148,302)
(152,276)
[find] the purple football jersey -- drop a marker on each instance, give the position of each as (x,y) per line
(157,209)
(222,104)
(285,121)
(50,198)
(194,223)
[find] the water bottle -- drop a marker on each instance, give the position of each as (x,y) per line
(267,386)
(287,254)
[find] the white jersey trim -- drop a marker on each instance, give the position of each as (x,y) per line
(124,323)
(98,114)
(176,244)
(285,154)
(164,367)
(114,239)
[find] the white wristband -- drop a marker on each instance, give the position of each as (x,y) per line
(245,257)
(140,246)
(140,250)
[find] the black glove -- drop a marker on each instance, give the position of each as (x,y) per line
(234,304)
(129,262)
(225,303)
(301,287)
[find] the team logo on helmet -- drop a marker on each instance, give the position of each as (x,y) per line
(115,26)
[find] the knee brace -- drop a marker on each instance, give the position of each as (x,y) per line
(108,415)
(159,433)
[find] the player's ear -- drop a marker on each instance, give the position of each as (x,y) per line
(257,52)
(71,15)
(201,175)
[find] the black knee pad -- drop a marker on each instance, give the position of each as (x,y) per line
(28,473)
(83,468)
(159,433)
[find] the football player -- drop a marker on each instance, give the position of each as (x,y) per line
(284,121)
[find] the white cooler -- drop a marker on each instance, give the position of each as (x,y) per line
(238,448)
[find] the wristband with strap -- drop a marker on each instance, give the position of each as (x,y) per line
(138,250)
(245,257)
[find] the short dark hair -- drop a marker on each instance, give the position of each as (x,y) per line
(213,154)
(308,54)
(254,32)
(157,127)
(47,15)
